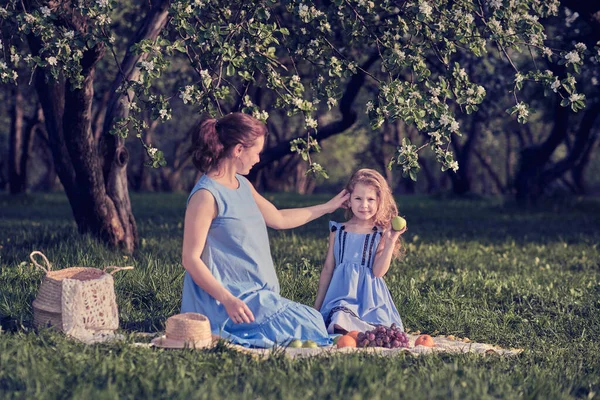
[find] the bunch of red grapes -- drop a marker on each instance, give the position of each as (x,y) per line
(390,338)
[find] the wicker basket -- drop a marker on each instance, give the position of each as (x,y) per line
(47,306)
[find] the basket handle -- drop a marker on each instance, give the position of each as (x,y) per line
(48,265)
(116,269)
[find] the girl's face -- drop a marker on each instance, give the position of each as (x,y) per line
(250,155)
(364,202)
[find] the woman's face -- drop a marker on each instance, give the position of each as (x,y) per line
(250,156)
(364,202)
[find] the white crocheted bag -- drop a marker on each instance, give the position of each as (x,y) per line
(78,301)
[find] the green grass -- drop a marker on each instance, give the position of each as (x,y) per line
(478,268)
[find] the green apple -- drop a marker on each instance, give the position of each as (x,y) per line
(310,344)
(295,343)
(398,223)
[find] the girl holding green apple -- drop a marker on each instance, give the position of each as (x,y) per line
(230,277)
(352,294)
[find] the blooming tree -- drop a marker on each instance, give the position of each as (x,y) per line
(301,51)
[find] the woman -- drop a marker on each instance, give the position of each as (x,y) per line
(230,276)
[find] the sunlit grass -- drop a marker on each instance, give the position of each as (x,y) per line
(479,268)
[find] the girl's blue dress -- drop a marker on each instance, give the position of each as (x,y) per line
(356,299)
(237,253)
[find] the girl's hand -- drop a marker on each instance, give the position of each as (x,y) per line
(338,201)
(238,311)
(391,235)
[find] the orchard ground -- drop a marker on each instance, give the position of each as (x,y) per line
(479,268)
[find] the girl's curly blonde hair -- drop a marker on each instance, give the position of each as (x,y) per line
(386,205)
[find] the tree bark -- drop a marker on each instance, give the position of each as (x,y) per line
(18,150)
(461,180)
(529,184)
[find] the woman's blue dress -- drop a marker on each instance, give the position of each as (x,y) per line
(238,255)
(356,299)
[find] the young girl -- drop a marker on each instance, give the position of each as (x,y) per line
(352,294)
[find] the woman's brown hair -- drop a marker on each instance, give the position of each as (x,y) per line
(213,140)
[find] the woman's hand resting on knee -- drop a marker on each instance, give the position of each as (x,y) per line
(238,311)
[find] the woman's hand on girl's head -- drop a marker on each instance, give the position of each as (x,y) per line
(238,311)
(338,201)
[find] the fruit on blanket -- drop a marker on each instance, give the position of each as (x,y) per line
(346,341)
(425,340)
(398,223)
(295,343)
(309,344)
(390,338)
(335,339)
(354,334)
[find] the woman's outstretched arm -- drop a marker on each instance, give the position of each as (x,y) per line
(200,212)
(294,217)
(326,273)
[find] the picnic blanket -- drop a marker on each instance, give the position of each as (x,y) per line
(443,344)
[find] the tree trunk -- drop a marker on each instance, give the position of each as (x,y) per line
(528,181)
(94,178)
(18,150)
(461,179)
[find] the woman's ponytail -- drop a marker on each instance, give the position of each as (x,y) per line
(207,148)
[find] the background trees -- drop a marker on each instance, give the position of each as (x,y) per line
(400,77)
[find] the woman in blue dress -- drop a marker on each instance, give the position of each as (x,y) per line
(230,276)
(352,294)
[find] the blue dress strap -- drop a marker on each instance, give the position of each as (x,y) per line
(333,226)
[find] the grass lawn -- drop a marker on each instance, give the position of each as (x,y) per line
(478,268)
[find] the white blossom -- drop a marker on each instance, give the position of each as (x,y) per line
(495,3)
(102,3)
(576,97)
(594,81)
(454,126)
(311,122)
(104,19)
(52,60)
(518,77)
(186,94)
(46,12)
(205,74)
(581,46)
(522,110)
(555,85)
(331,102)
(444,120)
(164,114)
(453,165)
(547,51)
(369,106)
(425,9)
(70,35)
(147,65)
(260,115)
(152,151)
(572,57)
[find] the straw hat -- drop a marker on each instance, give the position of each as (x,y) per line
(185,330)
